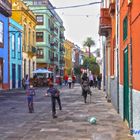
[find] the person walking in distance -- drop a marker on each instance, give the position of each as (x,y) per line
(69,81)
(99,79)
(55,95)
(73,80)
(91,79)
(85,86)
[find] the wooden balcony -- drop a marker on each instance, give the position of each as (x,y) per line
(105,22)
(6,7)
(112,7)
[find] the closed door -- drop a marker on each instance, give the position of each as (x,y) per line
(13,75)
(126,86)
(1,72)
(19,76)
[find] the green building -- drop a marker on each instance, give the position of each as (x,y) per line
(49,36)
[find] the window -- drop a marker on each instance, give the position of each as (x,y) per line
(39,37)
(19,47)
(13,46)
(125,26)
(40,53)
(40,19)
(1,34)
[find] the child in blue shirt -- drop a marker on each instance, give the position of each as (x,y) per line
(54,93)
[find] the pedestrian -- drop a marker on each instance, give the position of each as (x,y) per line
(69,81)
(85,86)
(95,81)
(60,82)
(66,79)
(27,82)
(91,79)
(30,92)
(73,80)
(99,79)
(55,95)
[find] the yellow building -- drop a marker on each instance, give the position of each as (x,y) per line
(22,14)
(68,56)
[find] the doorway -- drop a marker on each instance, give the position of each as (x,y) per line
(1,73)
(126,86)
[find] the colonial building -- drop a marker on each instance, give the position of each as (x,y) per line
(25,17)
(49,36)
(15,42)
(5,12)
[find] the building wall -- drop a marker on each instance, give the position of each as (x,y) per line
(136,112)
(28,22)
(135,29)
(123,43)
(121,101)
(4,53)
(68,55)
(15,31)
(113,90)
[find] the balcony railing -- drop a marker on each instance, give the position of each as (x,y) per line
(6,7)
(31,50)
(105,22)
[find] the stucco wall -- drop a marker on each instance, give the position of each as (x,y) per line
(121,100)
(113,89)
(136,114)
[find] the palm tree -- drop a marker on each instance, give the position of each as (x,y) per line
(89,42)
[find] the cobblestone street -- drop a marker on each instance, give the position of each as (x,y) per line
(72,122)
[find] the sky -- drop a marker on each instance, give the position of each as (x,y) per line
(81,22)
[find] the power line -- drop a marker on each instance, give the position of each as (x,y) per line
(65,7)
(76,6)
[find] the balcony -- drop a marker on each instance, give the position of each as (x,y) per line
(31,51)
(112,7)
(6,7)
(105,22)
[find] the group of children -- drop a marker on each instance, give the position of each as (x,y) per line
(52,91)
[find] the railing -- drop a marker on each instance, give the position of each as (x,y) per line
(105,22)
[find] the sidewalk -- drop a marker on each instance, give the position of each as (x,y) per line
(71,124)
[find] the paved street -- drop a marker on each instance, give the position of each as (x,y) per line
(72,122)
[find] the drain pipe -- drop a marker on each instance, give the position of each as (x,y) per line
(131,76)
(118,96)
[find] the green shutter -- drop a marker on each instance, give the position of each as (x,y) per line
(125,26)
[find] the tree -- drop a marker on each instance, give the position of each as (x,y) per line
(89,42)
(91,64)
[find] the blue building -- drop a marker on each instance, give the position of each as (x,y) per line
(15,38)
(5,13)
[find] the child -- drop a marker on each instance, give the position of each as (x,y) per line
(54,92)
(30,92)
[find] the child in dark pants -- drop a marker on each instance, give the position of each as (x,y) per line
(54,92)
(30,92)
